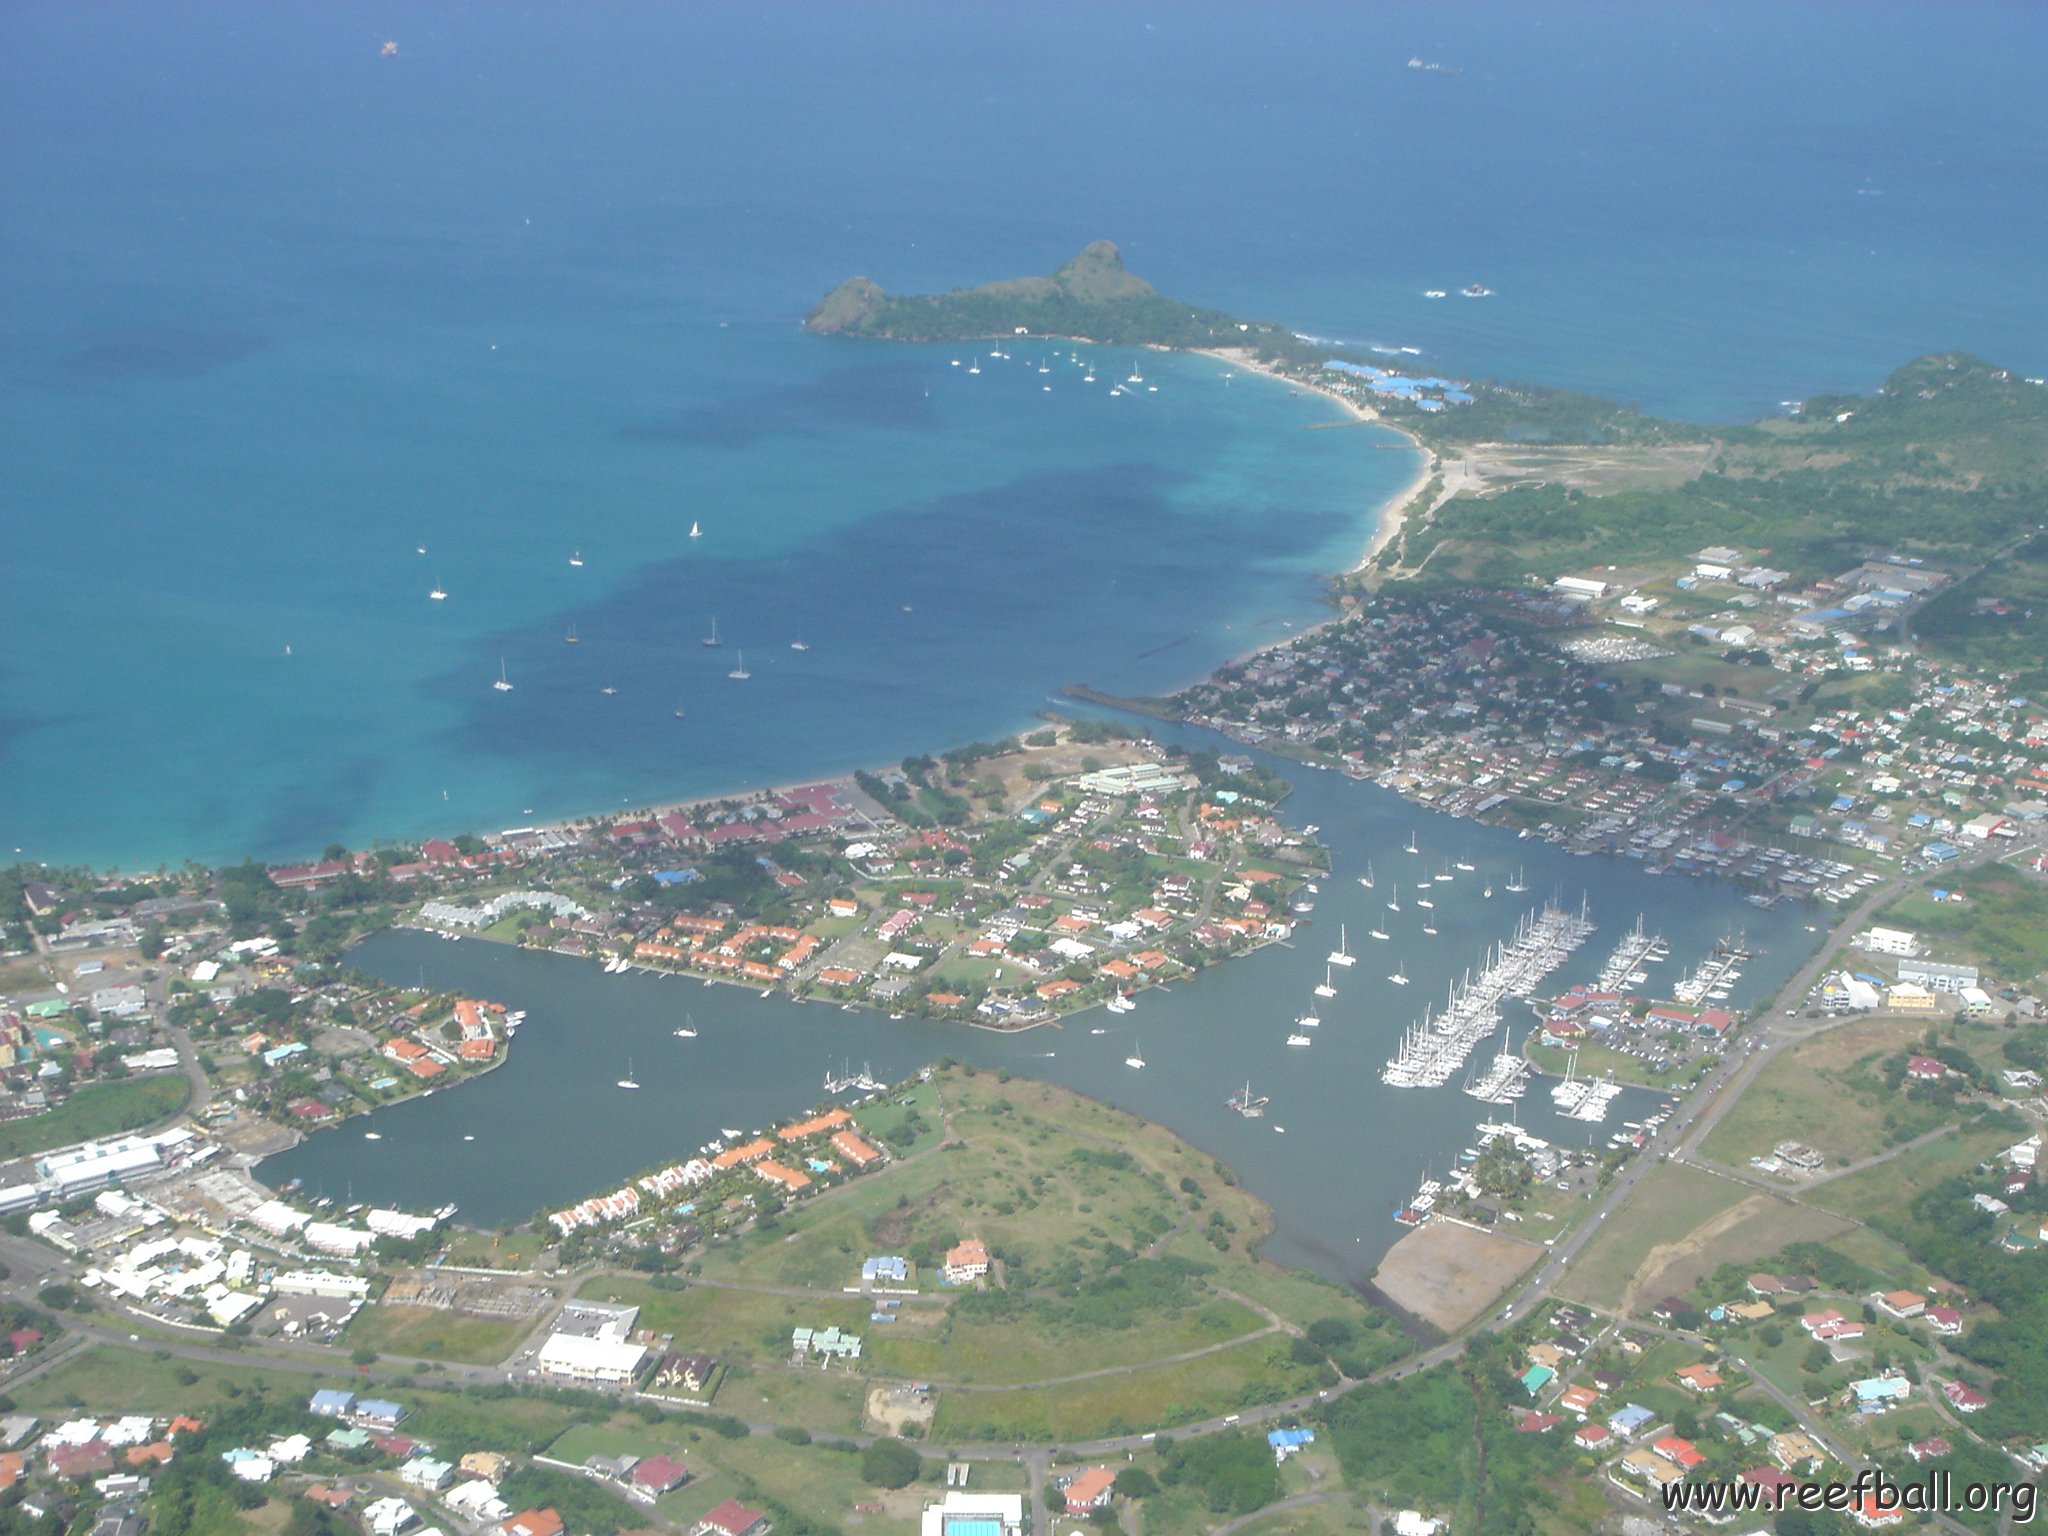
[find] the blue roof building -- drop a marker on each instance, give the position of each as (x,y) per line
(331,1403)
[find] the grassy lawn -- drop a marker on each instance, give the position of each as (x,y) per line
(1597,1060)
(1896,1184)
(1826,1093)
(99,1110)
(885,1120)
(824,1402)
(136,1381)
(729,1325)
(579,1442)
(1255,1371)
(489,1250)
(430,1333)
(1000,1352)
(1669,1204)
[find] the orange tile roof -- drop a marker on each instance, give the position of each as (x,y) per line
(848,1145)
(788,1178)
(816,1125)
(733,1157)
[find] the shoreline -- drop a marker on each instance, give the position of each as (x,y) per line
(1389,525)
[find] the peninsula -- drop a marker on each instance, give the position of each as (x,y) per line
(1092,298)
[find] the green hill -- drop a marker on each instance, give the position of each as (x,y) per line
(1092,298)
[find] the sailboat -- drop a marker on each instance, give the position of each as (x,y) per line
(577,558)
(712,638)
(1379,933)
(1135,1059)
(688,1031)
(1310,1020)
(503,684)
(1395,904)
(572,638)
(740,671)
(695,531)
(1298,1038)
(1424,901)
(1366,878)
(1326,990)
(679,711)
(609,689)
(1411,844)
(628,1081)
(1488,892)
(1518,885)
(799,643)
(438,592)
(1120,1002)
(1342,955)
(1399,978)
(1430,929)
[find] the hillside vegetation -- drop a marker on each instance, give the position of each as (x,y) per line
(1092,298)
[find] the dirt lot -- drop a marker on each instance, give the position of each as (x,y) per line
(1447,1274)
(895,1410)
(1755,1229)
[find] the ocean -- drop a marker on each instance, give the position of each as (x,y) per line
(279,311)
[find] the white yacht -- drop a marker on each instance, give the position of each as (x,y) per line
(504,683)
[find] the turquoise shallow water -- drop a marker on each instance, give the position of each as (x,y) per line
(278,310)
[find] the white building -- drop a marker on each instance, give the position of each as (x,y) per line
(1581,589)
(1888,941)
(387,1517)
(330,1238)
(962,1512)
(321,1282)
(597,1360)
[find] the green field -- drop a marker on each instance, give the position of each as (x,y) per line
(111,1378)
(1894,1185)
(428,1333)
(1828,1092)
(1255,1371)
(99,1110)
(1054,1345)
(1665,1207)
(491,1250)
(731,1326)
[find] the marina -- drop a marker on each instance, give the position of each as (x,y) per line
(1624,968)
(1715,977)
(1433,1049)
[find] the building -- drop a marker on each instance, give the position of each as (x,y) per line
(974,1514)
(387,1517)
(829,1342)
(683,1375)
(887,1269)
(656,1475)
(732,1518)
(603,1361)
(1090,1490)
(331,1404)
(1937,977)
(966,1261)
(532,1522)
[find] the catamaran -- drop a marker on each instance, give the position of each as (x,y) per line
(504,683)
(1399,978)
(628,1081)
(438,592)
(740,671)
(1326,990)
(1135,1059)
(712,638)
(577,558)
(1342,955)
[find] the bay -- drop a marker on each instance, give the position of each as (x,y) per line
(279,310)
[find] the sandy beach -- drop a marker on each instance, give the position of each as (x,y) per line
(1393,513)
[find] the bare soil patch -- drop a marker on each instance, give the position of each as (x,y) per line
(1447,1274)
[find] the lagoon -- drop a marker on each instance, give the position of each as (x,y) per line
(550,1126)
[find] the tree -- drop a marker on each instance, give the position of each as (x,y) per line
(1136,1483)
(889,1463)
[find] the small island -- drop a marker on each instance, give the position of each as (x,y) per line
(1092,298)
